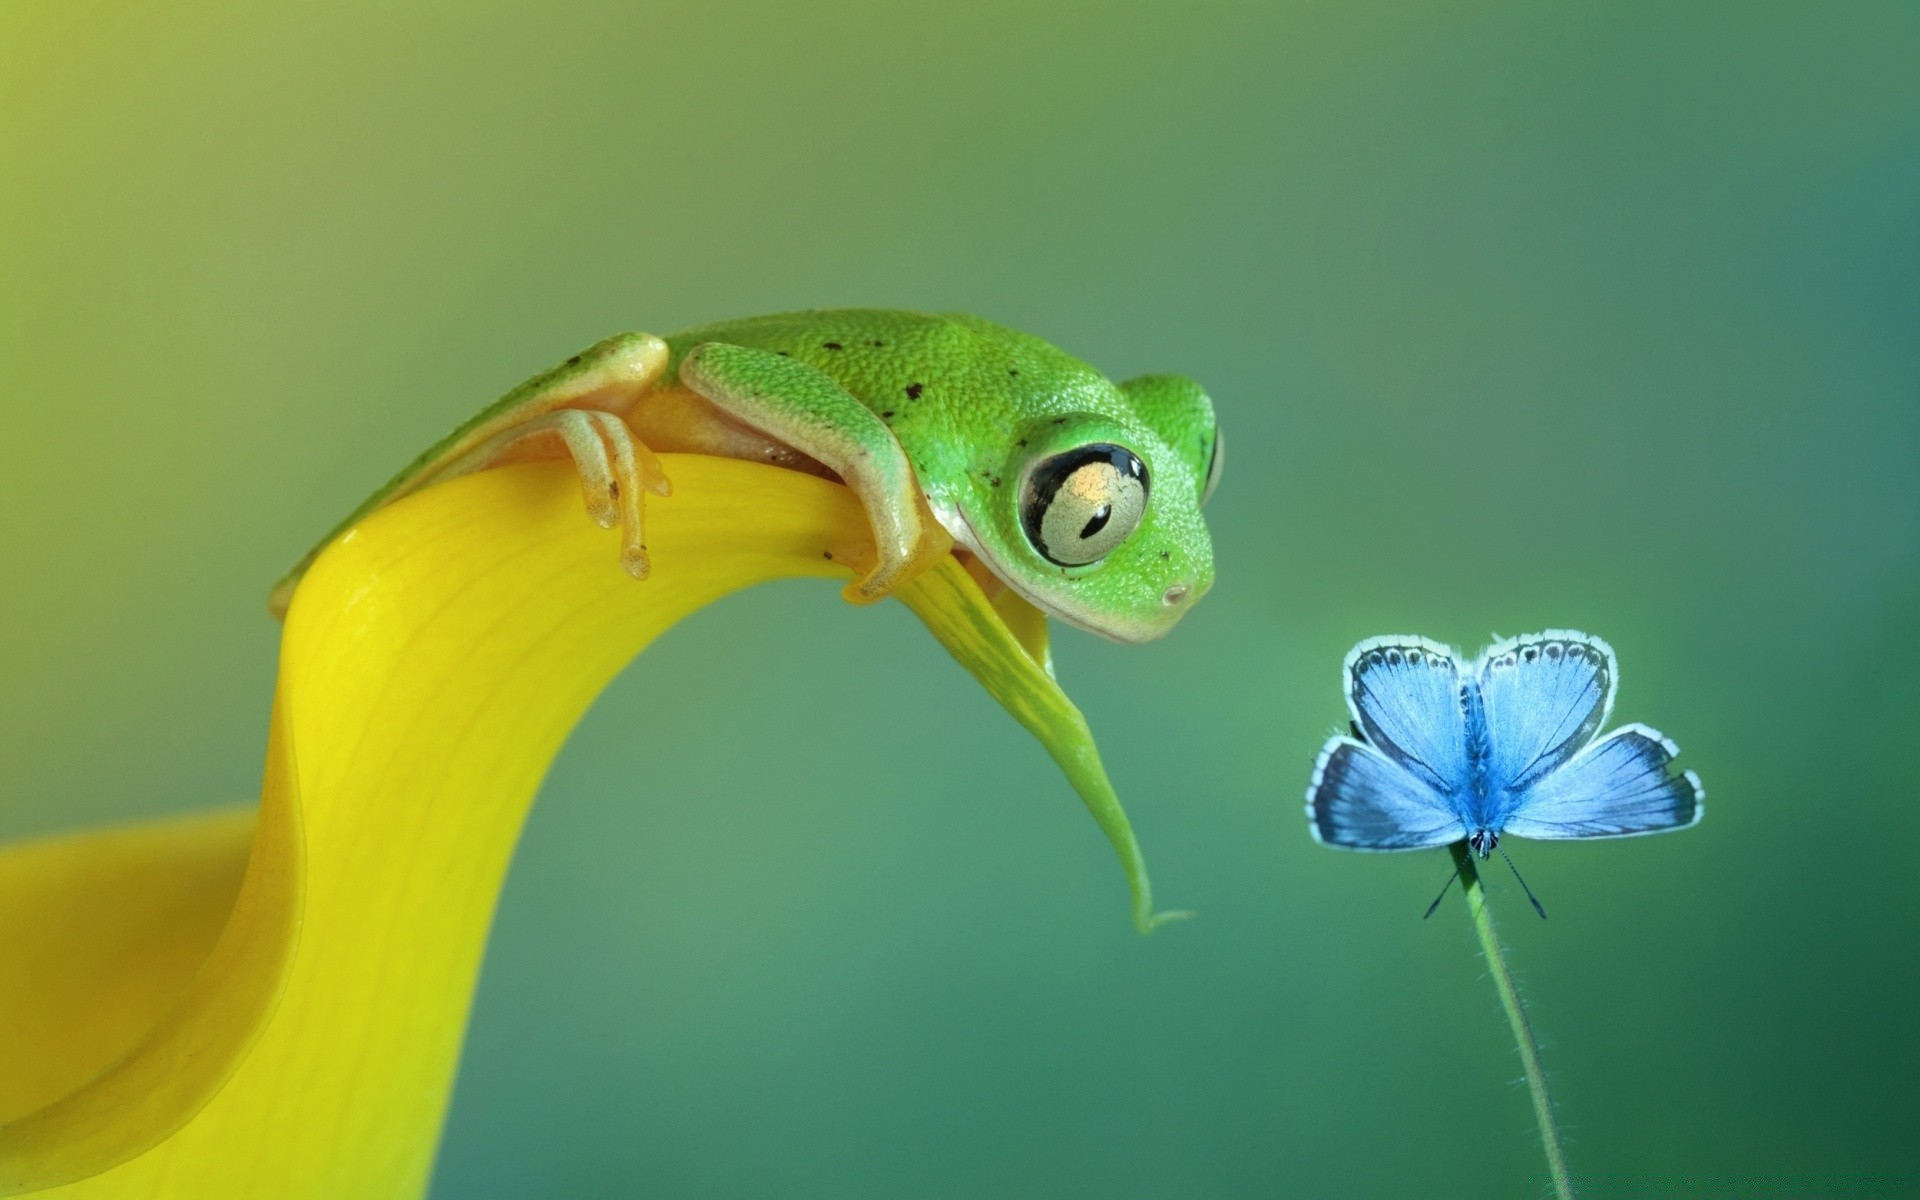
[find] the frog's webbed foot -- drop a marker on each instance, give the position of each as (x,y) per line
(907,542)
(616,470)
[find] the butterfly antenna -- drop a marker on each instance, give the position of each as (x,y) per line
(1443,892)
(1523,886)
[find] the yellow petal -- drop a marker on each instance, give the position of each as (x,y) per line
(973,631)
(100,932)
(433,663)
(1028,625)
(156,1079)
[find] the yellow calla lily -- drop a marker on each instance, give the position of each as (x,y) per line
(237,1006)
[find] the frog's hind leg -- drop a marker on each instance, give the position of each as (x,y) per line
(608,378)
(601,384)
(614,469)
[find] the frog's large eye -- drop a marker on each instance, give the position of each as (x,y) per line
(1215,461)
(1078,505)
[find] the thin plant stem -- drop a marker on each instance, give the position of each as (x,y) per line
(1516,1018)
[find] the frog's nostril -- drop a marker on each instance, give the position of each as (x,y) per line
(1176,593)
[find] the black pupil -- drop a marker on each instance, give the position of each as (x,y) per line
(1098,521)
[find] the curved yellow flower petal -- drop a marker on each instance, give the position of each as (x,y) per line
(434,661)
(100,932)
(1004,645)
(157,1077)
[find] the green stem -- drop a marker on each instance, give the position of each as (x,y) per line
(1517,1019)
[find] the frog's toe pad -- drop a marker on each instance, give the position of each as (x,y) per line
(867,590)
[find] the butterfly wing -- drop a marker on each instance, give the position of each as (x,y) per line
(1622,784)
(1545,696)
(1363,800)
(1405,696)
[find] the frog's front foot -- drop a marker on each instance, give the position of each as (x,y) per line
(905,545)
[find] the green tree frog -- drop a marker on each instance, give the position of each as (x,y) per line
(1080,494)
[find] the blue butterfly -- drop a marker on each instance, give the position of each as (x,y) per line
(1504,745)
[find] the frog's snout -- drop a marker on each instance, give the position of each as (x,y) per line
(1177,594)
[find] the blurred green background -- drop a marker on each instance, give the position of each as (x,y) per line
(1604,316)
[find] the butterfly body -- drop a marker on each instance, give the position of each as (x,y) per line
(1444,751)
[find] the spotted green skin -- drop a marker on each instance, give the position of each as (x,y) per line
(974,406)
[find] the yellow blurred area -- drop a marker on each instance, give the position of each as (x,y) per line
(101,933)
